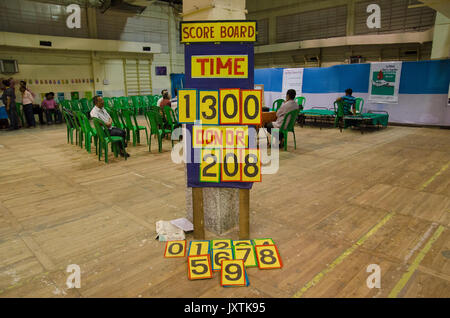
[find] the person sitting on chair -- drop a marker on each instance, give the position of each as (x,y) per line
(100,112)
(349,102)
(51,108)
(288,106)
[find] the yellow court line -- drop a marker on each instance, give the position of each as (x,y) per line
(405,278)
(341,257)
(427,183)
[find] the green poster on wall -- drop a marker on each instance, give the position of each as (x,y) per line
(384,82)
(88,95)
(75,95)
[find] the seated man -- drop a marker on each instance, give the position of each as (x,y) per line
(288,106)
(50,107)
(99,112)
(349,102)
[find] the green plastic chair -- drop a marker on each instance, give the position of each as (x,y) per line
(66,104)
(126,103)
(277,104)
(84,105)
(288,126)
(359,104)
(70,126)
(136,104)
(89,132)
(339,111)
(156,128)
(78,121)
(172,122)
(134,128)
(104,138)
(300,101)
(19,110)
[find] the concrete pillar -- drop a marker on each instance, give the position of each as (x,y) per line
(441,37)
(350,17)
(221,205)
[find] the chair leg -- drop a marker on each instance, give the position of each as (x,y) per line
(285,140)
(160,143)
(295,142)
(106,153)
(149,141)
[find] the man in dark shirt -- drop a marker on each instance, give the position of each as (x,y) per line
(9,99)
(349,102)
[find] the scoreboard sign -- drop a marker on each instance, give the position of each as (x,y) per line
(219,105)
(218,31)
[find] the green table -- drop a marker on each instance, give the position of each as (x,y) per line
(321,117)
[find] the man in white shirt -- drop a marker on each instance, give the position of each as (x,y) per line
(288,106)
(100,112)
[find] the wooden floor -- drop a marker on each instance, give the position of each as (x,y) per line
(340,202)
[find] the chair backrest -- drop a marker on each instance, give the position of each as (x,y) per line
(359,104)
(101,129)
(277,104)
(126,115)
(289,120)
(66,104)
(136,101)
(75,104)
(155,121)
(170,115)
(300,101)
(69,119)
(84,105)
(339,108)
(87,124)
(126,102)
(117,121)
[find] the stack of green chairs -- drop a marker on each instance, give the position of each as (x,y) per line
(134,128)
(277,104)
(288,126)
(104,138)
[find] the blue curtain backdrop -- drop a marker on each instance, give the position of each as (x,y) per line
(177,81)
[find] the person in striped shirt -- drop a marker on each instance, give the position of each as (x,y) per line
(349,102)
